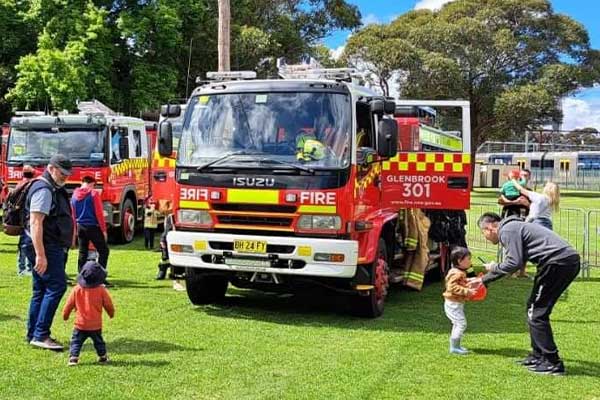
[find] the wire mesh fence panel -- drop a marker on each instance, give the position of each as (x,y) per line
(570,224)
(578,227)
(475,238)
(593,238)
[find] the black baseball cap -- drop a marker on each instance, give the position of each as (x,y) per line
(63,163)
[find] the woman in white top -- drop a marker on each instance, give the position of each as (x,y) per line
(542,205)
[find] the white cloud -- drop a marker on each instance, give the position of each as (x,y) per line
(580,113)
(370,19)
(431,4)
(337,52)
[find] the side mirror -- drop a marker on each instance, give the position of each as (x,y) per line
(387,138)
(170,110)
(377,107)
(124,145)
(365,155)
(389,106)
(165,139)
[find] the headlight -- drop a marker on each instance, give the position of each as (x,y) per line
(195,217)
(320,222)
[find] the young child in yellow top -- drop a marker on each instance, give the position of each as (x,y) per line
(456,293)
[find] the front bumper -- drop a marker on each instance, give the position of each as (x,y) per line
(282,255)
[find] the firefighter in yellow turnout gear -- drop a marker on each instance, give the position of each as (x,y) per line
(415,225)
(308,148)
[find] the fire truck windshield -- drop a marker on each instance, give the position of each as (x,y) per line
(37,146)
(306,129)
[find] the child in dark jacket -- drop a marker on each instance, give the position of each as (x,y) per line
(91,226)
(88,299)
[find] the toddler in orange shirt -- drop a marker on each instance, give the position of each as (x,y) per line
(88,299)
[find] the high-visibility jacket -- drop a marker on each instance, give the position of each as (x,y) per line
(416,242)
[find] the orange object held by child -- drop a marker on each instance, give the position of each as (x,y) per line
(480,291)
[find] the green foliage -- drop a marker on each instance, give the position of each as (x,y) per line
(514,60)
(133,55)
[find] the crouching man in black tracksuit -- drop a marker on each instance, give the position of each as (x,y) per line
(557,266)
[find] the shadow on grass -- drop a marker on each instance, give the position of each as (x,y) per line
(574,367)
(123,363)
(11,251)
(582,368)
(137,346)
(406,311)
(8,317)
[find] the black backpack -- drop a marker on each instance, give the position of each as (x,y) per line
(14,209)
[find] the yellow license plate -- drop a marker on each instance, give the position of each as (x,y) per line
(250,246)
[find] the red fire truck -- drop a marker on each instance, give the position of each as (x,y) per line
(284,184)
(163,167)
(112,148)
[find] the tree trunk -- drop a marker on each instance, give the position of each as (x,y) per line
(224,40)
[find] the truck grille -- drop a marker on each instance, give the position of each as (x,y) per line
(266,208)
(254,220)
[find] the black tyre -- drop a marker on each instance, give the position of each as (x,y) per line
(372,305)
(126,230)
(205,287)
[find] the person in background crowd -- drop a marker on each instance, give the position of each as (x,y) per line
(23,264)
(557,266)
(177,273)
(512,201)
(49,225)
(519,207)
(151,216)
(91,226)
(88,299)
(542,205)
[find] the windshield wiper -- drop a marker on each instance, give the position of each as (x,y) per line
(289,164)
(226,156)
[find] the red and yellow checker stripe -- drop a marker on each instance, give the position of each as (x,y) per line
(428,162)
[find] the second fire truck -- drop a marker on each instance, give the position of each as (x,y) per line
(113,149)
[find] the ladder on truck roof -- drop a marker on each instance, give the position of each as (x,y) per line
(94,107)
(313,70)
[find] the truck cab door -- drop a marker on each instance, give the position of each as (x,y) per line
(438,174)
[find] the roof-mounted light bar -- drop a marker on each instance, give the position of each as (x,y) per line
(230,75)
(24,113)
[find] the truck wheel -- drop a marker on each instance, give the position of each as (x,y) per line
(127,228)
(204,287)
(371,305)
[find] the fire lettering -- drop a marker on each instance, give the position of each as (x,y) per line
(193,194)
(317,198)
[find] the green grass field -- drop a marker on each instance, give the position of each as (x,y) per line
(265,346)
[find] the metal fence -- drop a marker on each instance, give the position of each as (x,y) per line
(579,227)
(579,179)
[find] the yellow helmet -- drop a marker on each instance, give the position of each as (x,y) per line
(308,148)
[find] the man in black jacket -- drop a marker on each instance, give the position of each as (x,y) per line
(557,266)
(49,227)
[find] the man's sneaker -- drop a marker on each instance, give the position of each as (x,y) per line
(73,361)
(48,344)
(548,368)
(529,361)
(103,359)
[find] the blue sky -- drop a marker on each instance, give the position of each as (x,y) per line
(581,110)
